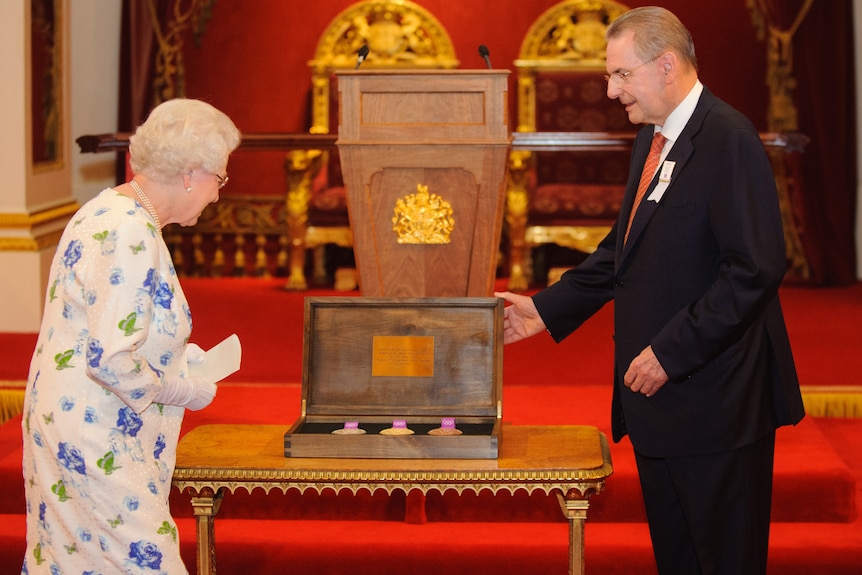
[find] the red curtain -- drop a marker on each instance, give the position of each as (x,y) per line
(825,97)
(137,49)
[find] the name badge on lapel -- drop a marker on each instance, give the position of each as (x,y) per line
(663,181)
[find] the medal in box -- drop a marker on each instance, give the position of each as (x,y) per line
(400,378)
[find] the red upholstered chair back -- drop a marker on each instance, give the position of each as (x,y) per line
(582,188)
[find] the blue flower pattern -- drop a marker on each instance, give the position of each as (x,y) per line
(129,422)
(116,323)
(145,554)
(94,353)
(160,446)
(73,253)
(72,458)
(131,503)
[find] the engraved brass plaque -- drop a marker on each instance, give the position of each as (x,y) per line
(402,356)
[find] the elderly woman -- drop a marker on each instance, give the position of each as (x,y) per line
(109,380)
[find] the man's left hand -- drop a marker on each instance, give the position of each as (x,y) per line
(645,374)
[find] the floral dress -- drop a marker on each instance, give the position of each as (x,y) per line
(98,453)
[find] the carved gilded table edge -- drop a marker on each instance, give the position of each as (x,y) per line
(585,481)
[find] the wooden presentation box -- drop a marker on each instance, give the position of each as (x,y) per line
(379,362)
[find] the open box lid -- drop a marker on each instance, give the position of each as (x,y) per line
(389,357)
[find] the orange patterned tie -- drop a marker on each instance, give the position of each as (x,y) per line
(647,175)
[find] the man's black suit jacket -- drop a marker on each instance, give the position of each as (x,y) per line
(697,280)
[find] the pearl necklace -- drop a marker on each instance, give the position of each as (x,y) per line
(145,201)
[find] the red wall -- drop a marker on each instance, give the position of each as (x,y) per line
(252,61)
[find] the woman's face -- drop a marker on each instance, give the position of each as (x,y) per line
(203,189)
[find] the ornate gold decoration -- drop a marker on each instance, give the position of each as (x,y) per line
(169,80)
(574,29)
(581,482)
(215,246)
(398,33)
(582,238)
(301,167)
(781,114)
(423,218)
(567,36)
(521,162)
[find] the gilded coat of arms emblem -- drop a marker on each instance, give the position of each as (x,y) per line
(423,218)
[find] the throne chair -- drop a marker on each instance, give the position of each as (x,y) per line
(569,197)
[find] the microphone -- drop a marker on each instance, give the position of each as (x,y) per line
(483,51)
(363,53)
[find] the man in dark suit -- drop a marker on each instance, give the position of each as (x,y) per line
(703,369)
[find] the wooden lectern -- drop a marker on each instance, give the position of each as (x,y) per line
(423,155)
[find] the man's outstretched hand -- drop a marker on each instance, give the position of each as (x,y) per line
(521,319)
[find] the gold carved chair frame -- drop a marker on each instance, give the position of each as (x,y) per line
(568,37)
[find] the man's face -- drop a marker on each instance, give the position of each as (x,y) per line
(639,85)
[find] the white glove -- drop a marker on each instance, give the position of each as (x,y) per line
(192,393)
(194,353)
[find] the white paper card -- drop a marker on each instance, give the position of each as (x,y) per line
(219,361)
(658,192)
(663,181)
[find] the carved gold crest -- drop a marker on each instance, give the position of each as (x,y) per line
(423,218)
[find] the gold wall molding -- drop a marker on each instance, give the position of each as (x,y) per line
(41,217)
(44,226)
(30,244)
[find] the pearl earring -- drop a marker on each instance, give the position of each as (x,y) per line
(189,189)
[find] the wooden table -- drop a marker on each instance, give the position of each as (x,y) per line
(570,461)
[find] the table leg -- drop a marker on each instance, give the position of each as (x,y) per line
(575,511)
(205,505)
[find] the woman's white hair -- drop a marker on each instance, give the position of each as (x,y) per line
(182,135)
